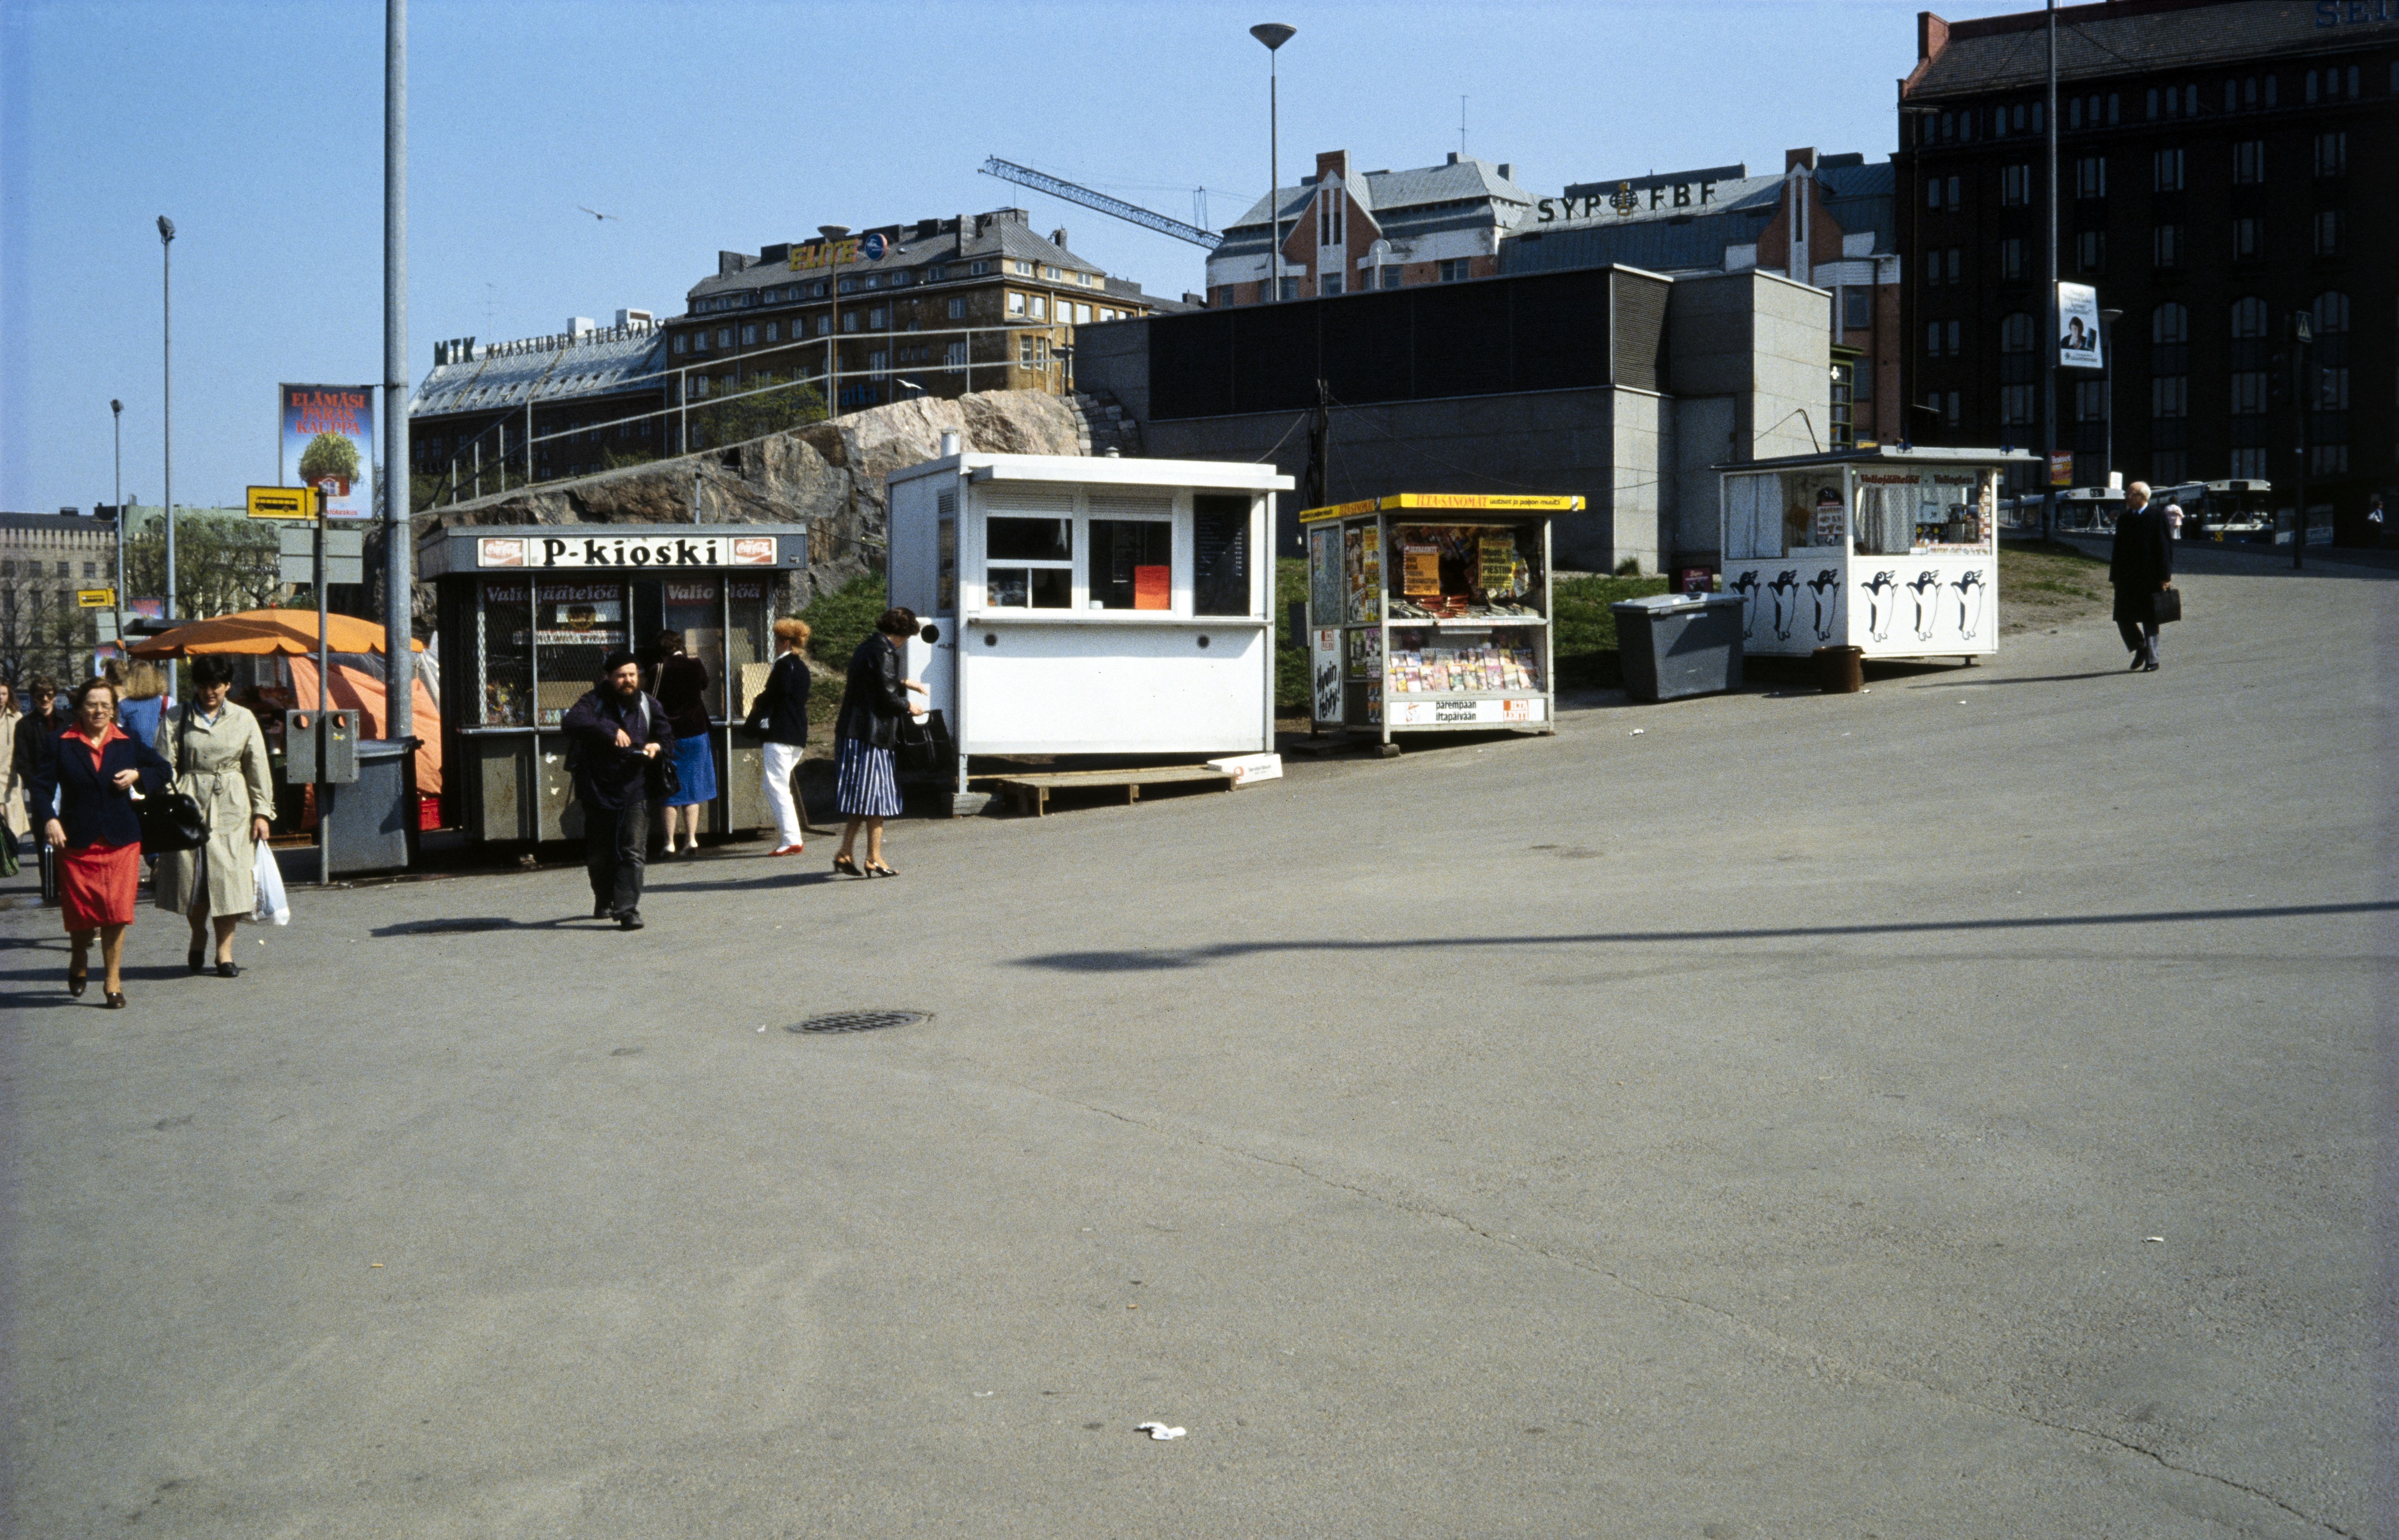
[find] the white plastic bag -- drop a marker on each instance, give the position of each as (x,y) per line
(272,904)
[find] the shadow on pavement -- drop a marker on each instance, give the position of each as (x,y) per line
(1163,959)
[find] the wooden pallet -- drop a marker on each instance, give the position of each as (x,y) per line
(1031,793)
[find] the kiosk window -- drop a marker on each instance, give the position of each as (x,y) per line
(1132,564)
(1220,568)
(1029,563)
(749,654)
(694,611)
(506,633)
(576,625)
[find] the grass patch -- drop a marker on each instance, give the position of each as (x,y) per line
(1582,627)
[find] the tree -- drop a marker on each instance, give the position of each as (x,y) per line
(223,562)
(776,408)
(328,455)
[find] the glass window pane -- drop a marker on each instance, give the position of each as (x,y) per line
(1029,587)
(576,625)
(1220,577)
(1132,564)
(1029,539)
(508,656)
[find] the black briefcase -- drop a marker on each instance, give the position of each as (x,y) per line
(2166,606)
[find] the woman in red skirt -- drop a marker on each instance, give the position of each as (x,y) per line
(93,767)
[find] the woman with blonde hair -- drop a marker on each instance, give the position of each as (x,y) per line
(780,715)
(13,822)
(92,768)
(218,754)
(140,699)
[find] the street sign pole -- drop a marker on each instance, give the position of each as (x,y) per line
(324,703)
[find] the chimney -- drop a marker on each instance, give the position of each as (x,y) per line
(626,319)
(1506,172)
(949,445)
(1058,238)
(1333,163)
(1931,37)
(1797,158)
(730,263)
(1453,158)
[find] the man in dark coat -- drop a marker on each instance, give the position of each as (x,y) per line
(616,730)
(2141,567)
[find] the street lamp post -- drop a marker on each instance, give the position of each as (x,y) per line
(832,235)
(2303,332)
(2049,347)
(116,421)
(1274,34)
(2108,394)
(167,403)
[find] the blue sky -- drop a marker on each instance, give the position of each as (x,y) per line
(257,127)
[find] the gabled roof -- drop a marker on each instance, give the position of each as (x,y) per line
(2129,37)
(1391,193)
(508,375)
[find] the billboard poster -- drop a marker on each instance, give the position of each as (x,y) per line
(328,443)
(2078,326)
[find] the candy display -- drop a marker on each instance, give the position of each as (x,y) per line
(1471,670)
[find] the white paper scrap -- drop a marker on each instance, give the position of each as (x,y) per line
(1159,1431)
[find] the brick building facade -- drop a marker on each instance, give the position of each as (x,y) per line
(1345,232)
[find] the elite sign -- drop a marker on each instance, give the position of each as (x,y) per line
(626,551)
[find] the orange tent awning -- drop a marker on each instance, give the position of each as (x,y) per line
(293,632)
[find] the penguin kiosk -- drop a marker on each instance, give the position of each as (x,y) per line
(1891,550)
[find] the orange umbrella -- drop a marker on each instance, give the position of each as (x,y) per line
(257,631)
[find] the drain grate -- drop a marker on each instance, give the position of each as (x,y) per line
(861,1021)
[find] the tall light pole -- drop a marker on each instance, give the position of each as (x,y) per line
(2303,395)
(116,420)
(2049,347)
(167,405)
(399,702)
(2108,319)
(832,235)
(1274,34)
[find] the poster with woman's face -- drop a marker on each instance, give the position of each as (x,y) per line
(2078,326)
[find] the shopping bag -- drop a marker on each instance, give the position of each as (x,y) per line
(271,905)
(2166,606)
(8,867)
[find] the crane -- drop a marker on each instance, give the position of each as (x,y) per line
(1007,171)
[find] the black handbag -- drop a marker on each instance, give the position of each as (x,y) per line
(662,780)
(919,749)
(2166,606)
(173,820)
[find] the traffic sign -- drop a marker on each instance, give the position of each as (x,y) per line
(872,248)
(282,503)
(95,599)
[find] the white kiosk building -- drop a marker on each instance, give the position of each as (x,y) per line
(1890,550)
(1090,605)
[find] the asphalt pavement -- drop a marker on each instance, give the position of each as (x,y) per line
(1945,1111)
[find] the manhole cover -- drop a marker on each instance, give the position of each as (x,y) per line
(861,1021)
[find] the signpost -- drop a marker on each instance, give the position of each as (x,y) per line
(281,502)
(320,746)
(95,598)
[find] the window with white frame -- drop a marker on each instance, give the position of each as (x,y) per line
(1015,302)
(954,355)
(750,336)
(957,308)
(1037,306)
(2249,162)
(1029,557)
(2166,171)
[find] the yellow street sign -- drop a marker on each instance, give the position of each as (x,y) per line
(95,599)
(282,503)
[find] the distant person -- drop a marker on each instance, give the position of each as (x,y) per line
(141,704)
(45,716)
(683,690)
(92,769)
(2141,566)
(12,780)
(218,754)
(614,731)
(2378,533)
(2174,520)
(780,716)
(866,783)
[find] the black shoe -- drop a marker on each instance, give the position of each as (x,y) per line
(631,920)
(74,983)
(601,911)
(2137,664)
(228,970)
(2150,666)
(197,956)
(116,1001)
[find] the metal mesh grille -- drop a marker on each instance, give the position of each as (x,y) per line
(861,1021)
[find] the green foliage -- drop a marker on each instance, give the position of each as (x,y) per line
(1291,651)
(327,455)
(1629,567)
(839,621)
(754,416)
(223,562)
(1583,629)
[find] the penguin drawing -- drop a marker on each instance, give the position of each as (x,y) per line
(1926,589)
(1785,591)
(1882,601)
(1970,588)
(1826,587)
(1746,586)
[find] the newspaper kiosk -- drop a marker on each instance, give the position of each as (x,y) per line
(1889,550)
(1430,611)
(1088,605)
(526,615)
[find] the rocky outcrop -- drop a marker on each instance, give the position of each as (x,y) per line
(830,474)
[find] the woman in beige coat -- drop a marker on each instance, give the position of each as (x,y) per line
(219,760)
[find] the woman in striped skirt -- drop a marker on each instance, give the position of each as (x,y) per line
(866,789)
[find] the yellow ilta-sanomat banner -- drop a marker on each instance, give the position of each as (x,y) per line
(1463,501)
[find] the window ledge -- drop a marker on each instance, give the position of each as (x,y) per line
(1108,617)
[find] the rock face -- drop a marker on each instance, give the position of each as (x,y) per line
(830,474)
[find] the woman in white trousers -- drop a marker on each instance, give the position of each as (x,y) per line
(780,715)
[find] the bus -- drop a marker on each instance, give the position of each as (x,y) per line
(2235,510)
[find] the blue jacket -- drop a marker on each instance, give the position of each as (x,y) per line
(90,807)
(606,776)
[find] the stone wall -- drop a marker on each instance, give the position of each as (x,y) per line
(830,474)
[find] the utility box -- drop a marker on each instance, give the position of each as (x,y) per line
(1675,645)
(368,822)
(320,747)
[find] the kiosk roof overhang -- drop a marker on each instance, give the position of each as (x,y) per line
(1099,470)
(458,551)
(1888,454)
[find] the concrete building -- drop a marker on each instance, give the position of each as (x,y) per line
(1623,385)
(937,307)
(556,405)
(1827,222)
(1344,232)
(45,559)
(2224,167)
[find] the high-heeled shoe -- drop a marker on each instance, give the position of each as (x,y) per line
(76,981)
(848,864)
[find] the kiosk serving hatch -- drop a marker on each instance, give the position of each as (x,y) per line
(1890,550)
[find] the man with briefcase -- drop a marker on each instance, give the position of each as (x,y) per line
(2141,567)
